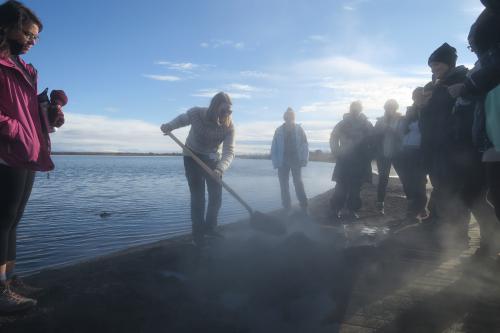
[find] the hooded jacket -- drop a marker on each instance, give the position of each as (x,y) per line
(484,38)
(388,135)
(24,139)
(278,146)
(435,117)
(349,135)
(351,149)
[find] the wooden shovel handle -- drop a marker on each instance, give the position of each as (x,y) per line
(211,173)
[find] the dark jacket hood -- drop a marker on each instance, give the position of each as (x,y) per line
(455,75)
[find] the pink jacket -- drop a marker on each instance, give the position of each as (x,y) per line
(24,139)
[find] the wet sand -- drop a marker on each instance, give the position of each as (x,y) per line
(377,274)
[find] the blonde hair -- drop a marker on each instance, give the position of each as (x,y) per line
(213,109)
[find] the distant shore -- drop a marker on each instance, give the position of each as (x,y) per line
(314,156)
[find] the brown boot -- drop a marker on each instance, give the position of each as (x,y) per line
(11,302)
(17,285)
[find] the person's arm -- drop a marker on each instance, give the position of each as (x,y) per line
(274,147)
(305,147)
(178,122)
(227,153)
(335,141)
(9,127)
(484,79)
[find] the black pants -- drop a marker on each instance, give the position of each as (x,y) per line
(493,184)
(284,176)
(350,173)
(459,189)
(445,200)
(197,178)
(414,179)
(15,190)
(384,165)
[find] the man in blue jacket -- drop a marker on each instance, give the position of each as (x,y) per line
(290,152)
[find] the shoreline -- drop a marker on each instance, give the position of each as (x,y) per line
(315,156)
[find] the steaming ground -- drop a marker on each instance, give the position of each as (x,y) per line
(374,275)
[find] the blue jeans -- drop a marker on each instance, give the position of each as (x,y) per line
(197,180)
(284,176)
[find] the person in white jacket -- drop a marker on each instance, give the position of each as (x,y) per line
(290,152)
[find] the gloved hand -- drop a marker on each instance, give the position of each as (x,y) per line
(165,128)
(56,116)
(455,90)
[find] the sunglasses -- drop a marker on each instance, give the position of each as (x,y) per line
(30,36)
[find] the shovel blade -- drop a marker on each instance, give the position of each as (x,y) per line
(267,224)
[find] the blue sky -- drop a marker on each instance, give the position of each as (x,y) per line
(128,67)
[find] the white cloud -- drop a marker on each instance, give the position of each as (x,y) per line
(353,5)
(235,90)
(170,78)
(239,45)
(318,38)
(218,43)
(242,87)
(335,66)
(474,10)
(324,107)
(339,80)
(373,93)
(111,109)
(209,93)
(263,131)
(183,66)
(255,74)
(92,133)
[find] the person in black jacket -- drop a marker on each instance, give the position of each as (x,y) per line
(352,154)
(411,171)
(437,142)
(484,40)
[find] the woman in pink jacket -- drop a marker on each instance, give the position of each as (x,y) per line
(24,142)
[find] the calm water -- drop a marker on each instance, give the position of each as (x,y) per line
(147,199)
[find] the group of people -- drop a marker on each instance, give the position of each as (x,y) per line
(451,133)
(395,141)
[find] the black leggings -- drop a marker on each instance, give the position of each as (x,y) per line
(384,165)
(15,190)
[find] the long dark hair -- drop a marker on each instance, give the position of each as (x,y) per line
(13,15)
(213,109)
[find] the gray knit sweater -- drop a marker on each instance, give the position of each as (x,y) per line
(205,137)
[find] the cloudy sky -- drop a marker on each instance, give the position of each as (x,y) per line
(128,67)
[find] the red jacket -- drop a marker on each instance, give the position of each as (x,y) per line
(24,139)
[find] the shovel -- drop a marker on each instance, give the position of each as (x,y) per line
(258,220)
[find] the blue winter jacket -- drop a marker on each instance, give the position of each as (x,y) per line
(278,146)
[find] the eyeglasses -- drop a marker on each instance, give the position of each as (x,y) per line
(30,36)
(470,48)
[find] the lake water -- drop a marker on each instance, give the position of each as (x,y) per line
(147,199)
